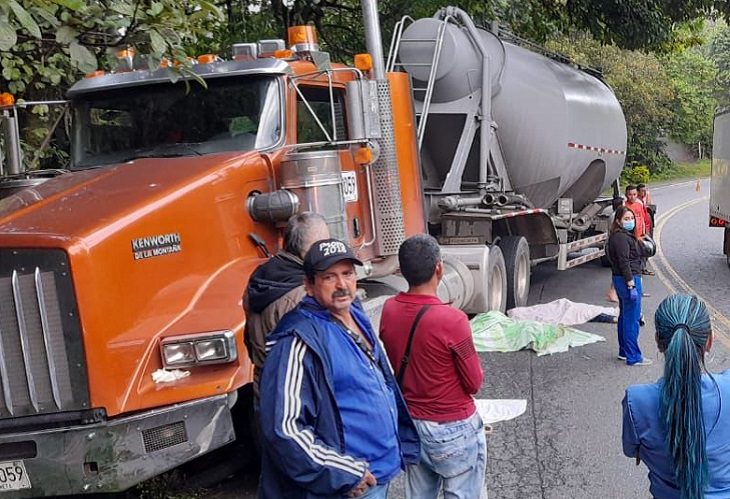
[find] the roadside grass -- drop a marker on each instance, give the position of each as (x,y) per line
(683,171)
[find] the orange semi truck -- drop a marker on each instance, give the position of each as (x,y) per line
(131,264)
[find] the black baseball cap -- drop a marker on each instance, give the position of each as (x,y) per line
(325,253)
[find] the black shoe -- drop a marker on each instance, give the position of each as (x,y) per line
(642,322)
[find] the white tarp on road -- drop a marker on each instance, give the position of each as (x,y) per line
(562,311)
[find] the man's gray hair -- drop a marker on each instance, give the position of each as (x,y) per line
(297,237)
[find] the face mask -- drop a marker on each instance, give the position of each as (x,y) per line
(629,225)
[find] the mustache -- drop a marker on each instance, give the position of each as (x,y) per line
(341,293)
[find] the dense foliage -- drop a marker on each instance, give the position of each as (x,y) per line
(668,88)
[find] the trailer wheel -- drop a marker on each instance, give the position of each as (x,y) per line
(516,253)
(497,288)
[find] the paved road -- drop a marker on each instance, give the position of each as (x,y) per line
(567,444)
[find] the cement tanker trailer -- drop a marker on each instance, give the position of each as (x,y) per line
(516,144)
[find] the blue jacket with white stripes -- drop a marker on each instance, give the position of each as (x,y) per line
(304,450)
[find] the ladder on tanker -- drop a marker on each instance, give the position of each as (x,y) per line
(393,62)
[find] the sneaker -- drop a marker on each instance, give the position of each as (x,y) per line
(642,322)
(620,357)
(644,362)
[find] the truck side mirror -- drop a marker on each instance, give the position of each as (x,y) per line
(363,112)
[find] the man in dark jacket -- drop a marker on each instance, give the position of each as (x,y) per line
(333,420)
(277,286)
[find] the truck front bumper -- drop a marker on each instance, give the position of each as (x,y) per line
(119,453)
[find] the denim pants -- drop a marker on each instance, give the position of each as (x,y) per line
(628,320)
(453,457)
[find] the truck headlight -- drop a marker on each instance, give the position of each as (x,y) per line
(216,347)
(178,354)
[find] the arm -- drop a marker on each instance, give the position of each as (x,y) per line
(465,356)
(291,385)
(629,437)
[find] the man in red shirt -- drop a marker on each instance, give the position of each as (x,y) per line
(637,206)
(438,378)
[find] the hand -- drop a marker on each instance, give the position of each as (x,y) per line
(633,294)
(367,481)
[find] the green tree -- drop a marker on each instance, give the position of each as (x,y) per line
(693,78)
(719,53)
(46,45)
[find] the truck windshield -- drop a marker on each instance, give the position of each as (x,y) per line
(237,113)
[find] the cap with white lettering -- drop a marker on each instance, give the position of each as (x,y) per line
(325,253)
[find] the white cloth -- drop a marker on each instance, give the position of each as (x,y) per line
(562,311)
(495,410)
(165,376)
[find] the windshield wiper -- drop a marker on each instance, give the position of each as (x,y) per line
(163,151)
(167,151)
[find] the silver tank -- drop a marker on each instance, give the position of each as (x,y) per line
(561,130)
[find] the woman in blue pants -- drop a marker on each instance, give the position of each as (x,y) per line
(624,252)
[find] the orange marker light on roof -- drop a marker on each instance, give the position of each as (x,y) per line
(364,62)
(302,34)
(207,58)
(94,74)
(7,99)
(284,54)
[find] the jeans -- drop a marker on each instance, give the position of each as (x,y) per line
(453,457)
(376,492)
(628,320)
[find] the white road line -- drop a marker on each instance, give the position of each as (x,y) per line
(721,333)
(683,182)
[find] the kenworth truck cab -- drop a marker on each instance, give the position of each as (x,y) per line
(121,326)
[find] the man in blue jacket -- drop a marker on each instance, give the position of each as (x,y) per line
(333,419)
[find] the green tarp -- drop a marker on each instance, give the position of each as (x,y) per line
(495,332)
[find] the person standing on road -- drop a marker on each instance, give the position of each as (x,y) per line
(680,425)
(333,419)
(641,220)
(645,197)
(625,256)
(438,375)
(277,286)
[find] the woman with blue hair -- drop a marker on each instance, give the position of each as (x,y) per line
(679,426)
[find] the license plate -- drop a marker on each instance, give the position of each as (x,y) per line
(13,476)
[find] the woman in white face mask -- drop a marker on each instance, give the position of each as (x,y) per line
(625,255)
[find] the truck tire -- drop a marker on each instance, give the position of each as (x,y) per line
(726,245)
(497,287)
(516,253)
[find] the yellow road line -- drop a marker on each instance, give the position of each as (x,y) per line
(665,268)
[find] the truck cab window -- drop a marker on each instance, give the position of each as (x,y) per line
(239,113)
(318,98)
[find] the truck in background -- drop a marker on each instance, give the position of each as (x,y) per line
(135,258)
(720,178)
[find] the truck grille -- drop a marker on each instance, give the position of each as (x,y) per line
(42,368)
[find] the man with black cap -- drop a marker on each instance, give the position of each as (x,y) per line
(333,419)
